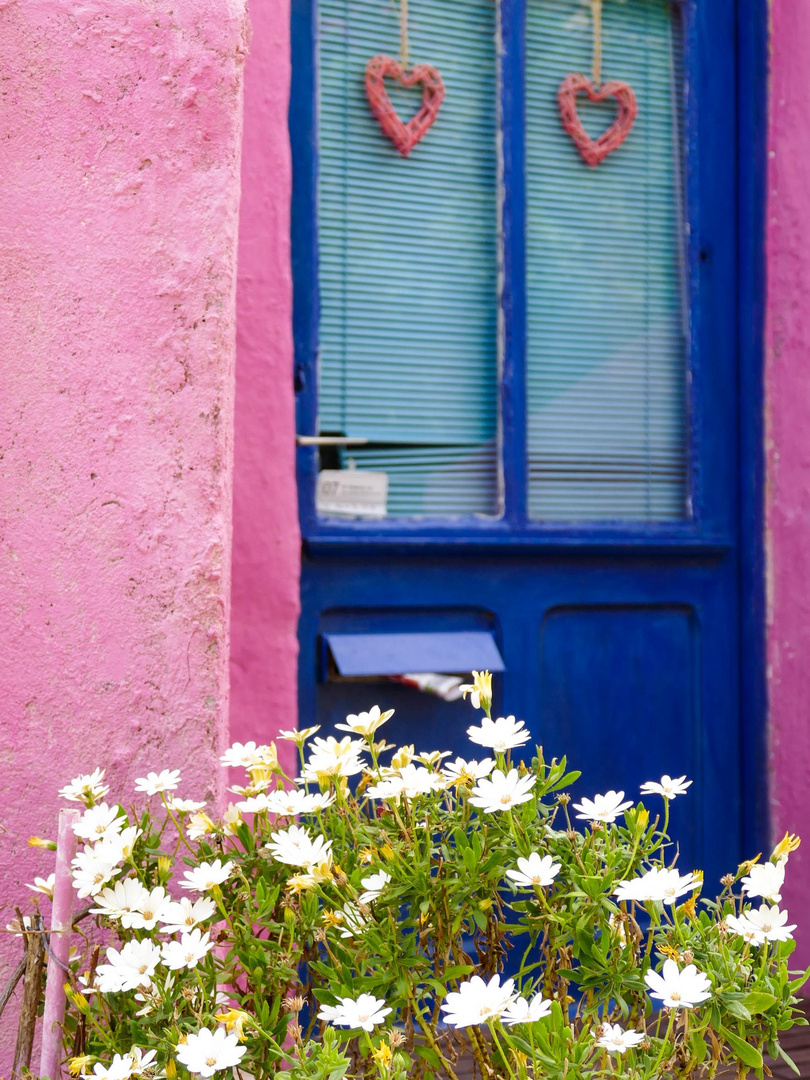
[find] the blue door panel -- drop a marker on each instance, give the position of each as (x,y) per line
(627,666)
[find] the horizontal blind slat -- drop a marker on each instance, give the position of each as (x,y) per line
(605,294)
(408,256)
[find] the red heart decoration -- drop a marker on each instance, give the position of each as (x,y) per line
(594,151)
(403,136)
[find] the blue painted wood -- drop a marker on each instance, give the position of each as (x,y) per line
(512,24)
(649,610)
(510,576)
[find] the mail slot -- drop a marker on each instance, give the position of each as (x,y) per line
(381,654)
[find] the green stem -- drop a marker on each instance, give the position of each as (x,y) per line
(665,1043)
(501,1051)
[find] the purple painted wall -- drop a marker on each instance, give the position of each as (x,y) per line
(121,130)
(788,444)
(266,552)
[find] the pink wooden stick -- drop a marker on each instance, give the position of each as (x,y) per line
(61,919)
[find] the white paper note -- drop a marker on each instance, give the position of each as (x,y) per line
(352,493)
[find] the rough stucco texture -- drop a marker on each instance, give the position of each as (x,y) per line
(266,545)
(121,129)
(788,445)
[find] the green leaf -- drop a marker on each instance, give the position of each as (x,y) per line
(565,781)
(429,1055)
(758,1001)
(789,1060)
(747,1054)
(733,1003)
(455,971)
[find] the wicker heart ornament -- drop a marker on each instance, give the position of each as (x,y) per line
(594,151)
(403,136)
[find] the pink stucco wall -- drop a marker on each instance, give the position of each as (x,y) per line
(266,549)
(121,129)
(788,443)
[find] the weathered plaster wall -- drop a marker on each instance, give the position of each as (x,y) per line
(788,443)
(121,128)
(266,541)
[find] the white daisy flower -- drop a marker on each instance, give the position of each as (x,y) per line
(246,755)
(91,872)
(187,952)
(256,804)
(605,807)
(295,847)
(328,758)
(614,1039)
(537,871)
(765,880)
(44,885)
(183,915)
(461,771)
(293,803)
(206,875)
(502,734)
(149,911)
(678,989)
(667,787)
(353,921)
(128,969)
(300,736)
(99,822)
(155,783)
(771,923)
(120,1068)
(431,758)
(118,846)
(502,791)
(365,723)
(184,806)
(207,1052)
(120,899)
(373,885)
(661,884)
(365,1012)
(521,1011)
(199,825)
(478,1002)
(410,781)
(141,1060)
(480,690)
(744,929)
(88,787)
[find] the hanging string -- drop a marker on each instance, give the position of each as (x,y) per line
(596,15)
(403,33)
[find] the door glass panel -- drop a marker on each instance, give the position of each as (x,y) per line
(606,371)
(408,259)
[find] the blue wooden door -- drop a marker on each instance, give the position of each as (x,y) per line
(543,360)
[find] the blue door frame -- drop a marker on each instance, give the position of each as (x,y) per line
(682,596)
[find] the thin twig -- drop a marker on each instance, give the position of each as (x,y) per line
(19,971)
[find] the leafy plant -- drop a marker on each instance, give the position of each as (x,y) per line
(389,914)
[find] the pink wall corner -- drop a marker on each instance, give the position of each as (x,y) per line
(266,552)
(121,151)
(787,375)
